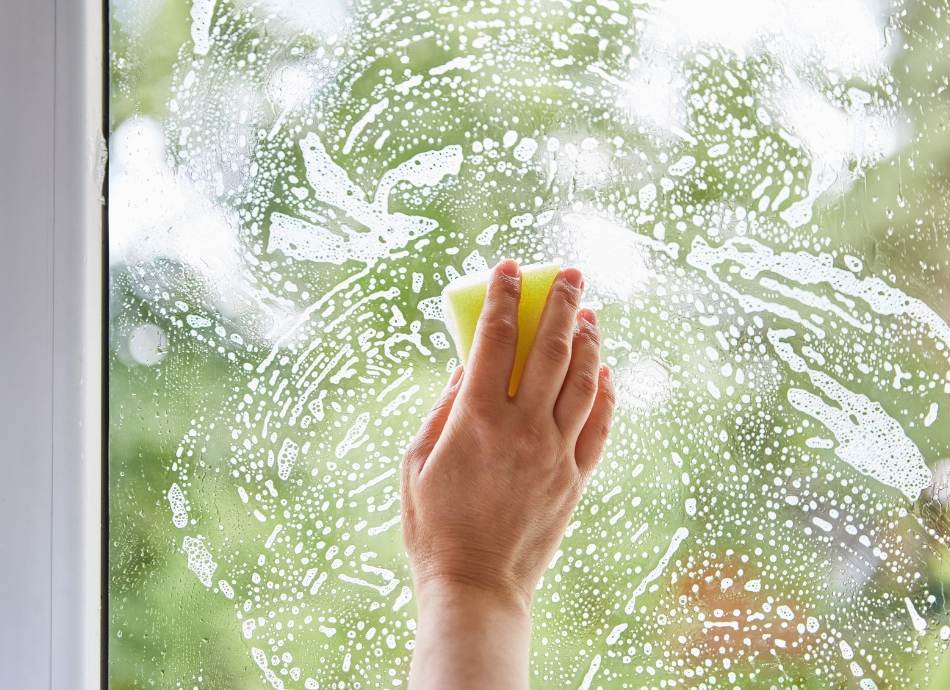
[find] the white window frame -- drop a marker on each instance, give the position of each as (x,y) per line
(52,310)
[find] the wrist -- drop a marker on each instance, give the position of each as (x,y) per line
(472,598)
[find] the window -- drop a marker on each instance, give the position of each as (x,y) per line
(756,192)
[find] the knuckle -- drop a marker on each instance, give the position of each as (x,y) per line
(556,348)
(501,332)
(588,334)
(564,292)
(504,288)
(440,405)
(585,381)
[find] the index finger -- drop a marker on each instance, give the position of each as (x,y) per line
(496,335)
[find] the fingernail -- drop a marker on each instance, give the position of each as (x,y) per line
(589,316)
(605,371)
(574,277)
(456,375)
(509,267)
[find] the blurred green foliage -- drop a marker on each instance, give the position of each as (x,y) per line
(167,629)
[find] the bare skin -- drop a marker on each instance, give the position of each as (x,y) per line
(490,483)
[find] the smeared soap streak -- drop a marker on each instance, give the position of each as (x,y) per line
(353,435)
(374,111)
(384,590)
(806,269)
(388,232)
(615,634)
(931,414)
(675,542)
(870,440)
(373,482)
(202,12)
(591,672)
(305,317)
(920,625)
(459,63)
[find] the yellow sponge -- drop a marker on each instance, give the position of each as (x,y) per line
(462,302)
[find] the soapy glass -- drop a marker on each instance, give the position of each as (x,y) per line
(753,192)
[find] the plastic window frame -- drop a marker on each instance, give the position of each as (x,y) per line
(53,346)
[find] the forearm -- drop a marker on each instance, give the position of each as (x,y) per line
(470,639)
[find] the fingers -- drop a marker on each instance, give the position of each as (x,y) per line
(550,353)
(422,445)
(593,437)
(582,381)
(496,336)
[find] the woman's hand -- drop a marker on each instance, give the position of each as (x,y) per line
(490,483)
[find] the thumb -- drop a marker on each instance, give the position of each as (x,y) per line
(418,451)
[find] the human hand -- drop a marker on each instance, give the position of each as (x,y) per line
(490,482)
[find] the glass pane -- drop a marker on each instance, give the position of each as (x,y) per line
(757,194)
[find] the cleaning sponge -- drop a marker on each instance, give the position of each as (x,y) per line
(462,302)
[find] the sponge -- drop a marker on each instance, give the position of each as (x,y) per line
(462,303)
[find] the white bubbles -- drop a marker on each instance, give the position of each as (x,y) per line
(197,321)
(869,439)
(785,613)
(525,149)
(316,185)
(846,37)
(846,652)
(614,636)
(647,195)
(201,14)
(853,263)
(286,458)
(176,500)
(354,436)
(405,595)
(681,166)
(300,239)
(643,383)
(199,559)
